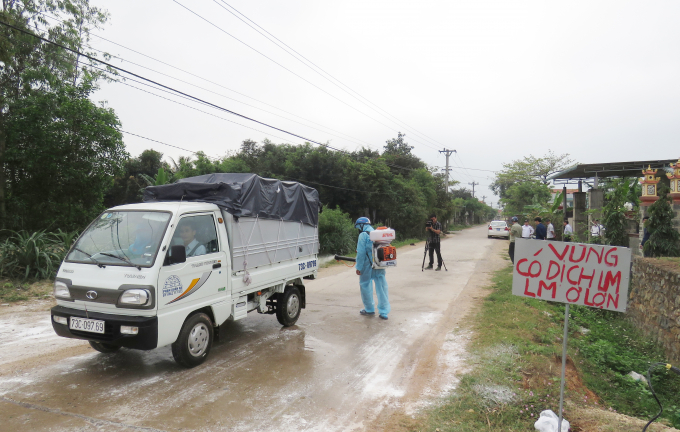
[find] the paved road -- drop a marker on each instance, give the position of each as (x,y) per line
(334,371)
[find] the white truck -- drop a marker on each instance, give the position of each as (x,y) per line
(195,255)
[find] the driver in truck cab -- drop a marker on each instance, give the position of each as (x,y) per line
(187,234)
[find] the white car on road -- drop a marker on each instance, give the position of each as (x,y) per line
(499,229)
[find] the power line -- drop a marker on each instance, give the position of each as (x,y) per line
(297,56)
(349,137)
(187,96)
(164,86)
(156,141)
(207,113)
(182,93)
(201,111)
(353,140)
(285,68)
(462,164)
(219,85)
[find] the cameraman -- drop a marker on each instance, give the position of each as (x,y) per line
(435,228)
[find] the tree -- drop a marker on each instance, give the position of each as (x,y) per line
(397,152)
(529,168)
(664,239)
(39,73)
(62,153)
(614,211)
(138,173)
(361,183)
(525,193)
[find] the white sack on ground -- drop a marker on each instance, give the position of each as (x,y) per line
(548,420)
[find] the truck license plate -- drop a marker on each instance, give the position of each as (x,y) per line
(88,325)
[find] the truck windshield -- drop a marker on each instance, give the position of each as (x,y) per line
(123,238)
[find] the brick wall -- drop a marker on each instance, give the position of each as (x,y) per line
(654,303)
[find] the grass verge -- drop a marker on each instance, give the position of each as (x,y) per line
(16,290)
(515,360)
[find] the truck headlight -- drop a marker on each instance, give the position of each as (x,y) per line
(136,297)
(61,291)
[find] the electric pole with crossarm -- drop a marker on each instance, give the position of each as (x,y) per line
(448,153)
(473,184)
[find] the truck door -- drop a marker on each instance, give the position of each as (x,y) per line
(203,277)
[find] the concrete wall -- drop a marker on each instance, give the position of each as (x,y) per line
(654,303)
(580,225)
(595,202)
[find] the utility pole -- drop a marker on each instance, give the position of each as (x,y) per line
(483,198)
(473,184)
(448,153)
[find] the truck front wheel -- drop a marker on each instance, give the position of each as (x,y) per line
(288,307)
(194,341)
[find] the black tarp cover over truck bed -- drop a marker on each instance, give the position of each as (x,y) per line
(244,195)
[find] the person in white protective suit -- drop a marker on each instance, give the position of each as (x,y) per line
(368,275)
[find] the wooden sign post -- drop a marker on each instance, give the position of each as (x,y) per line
(572,273)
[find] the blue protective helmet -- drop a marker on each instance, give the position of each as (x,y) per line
(514,219)
(361,222)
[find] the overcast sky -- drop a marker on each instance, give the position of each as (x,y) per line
(494,80)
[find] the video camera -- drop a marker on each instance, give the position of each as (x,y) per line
(428,224)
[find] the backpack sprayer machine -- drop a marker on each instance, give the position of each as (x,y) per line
(384,254)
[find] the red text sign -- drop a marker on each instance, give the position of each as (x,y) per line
(576,273)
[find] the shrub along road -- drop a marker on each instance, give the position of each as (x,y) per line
(334,370)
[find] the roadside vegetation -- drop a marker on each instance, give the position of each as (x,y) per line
(13,290)
(515,360)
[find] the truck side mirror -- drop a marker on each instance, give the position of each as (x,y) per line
(177,255)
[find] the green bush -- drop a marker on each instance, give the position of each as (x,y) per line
(37,254)
(664,240)
(337,234)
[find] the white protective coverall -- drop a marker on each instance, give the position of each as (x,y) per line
(368,274)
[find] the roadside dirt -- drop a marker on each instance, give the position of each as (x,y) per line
(442,358)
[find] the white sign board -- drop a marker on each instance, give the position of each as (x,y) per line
(574,273)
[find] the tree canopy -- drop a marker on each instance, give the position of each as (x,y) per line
(524,181)
(394,187)
(664,239)
(58,149)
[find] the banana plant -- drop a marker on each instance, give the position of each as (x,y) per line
(160,179)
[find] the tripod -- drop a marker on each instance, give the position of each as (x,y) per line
(427,248)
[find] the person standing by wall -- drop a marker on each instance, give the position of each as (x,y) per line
(550,230)
(368,275)
(597,231)
(515,233)
(645,234)
(541,230)
(568,232)
(527,230)
(434,240)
